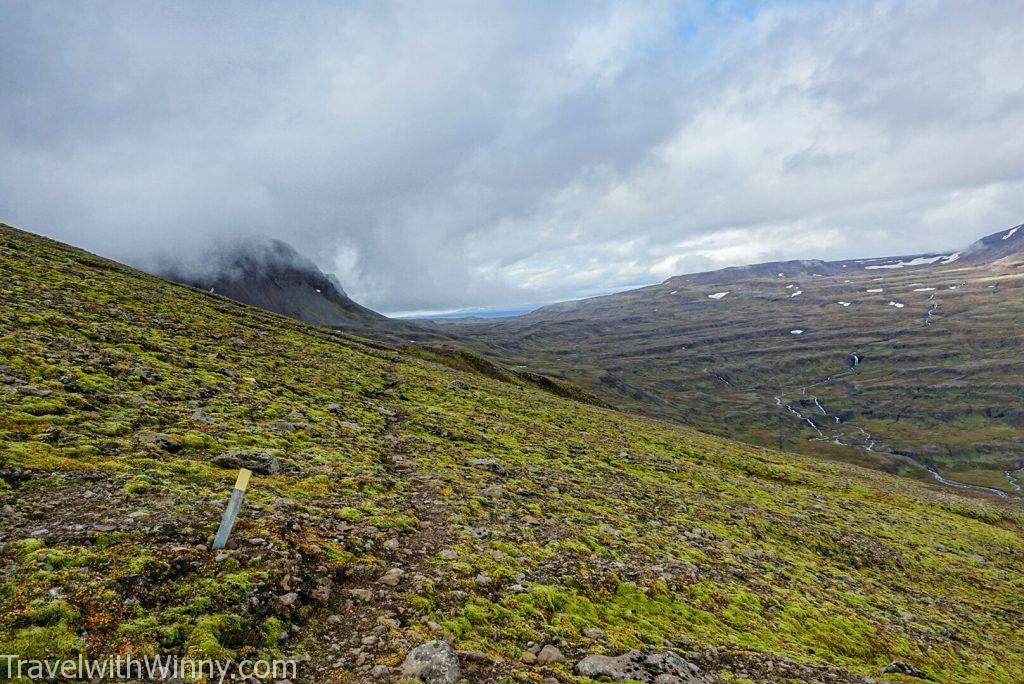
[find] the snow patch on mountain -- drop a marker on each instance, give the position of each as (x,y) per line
(919,261)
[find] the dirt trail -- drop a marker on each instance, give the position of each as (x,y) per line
(360,628)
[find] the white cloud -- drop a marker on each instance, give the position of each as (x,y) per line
(454,154)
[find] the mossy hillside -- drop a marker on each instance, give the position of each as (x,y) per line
(121,394)
(99,364)
(724,544)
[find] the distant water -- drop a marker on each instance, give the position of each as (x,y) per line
(486,312)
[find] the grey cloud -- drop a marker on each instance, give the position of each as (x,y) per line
(445,155)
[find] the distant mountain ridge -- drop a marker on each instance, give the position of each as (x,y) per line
(1000,245)
(1005,244)
(272,275)
(907,363)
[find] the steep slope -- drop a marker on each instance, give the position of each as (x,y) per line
(270,274)
(900,362)
(496,514)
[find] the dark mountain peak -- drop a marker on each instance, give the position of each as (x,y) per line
(273,275)
(1005,243)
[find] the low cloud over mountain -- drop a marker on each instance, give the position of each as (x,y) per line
(449,155)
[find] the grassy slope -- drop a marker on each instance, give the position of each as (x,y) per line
(646,530)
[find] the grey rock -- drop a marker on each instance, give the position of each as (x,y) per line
(435,662)
(493,492)
(32,391)
(165,442)
(361,595)
(621,668)
(899,667)
(392,577)
(287,425)
(490,465)
(659,668)
(199,416)
(257,460)
(549,655)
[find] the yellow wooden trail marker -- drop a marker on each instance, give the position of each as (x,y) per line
(231,512)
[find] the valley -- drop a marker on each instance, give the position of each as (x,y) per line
(407,502)
(909,364)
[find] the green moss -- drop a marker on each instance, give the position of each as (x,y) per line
(139,484)
(645,530)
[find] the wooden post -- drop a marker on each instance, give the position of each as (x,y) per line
(231,512)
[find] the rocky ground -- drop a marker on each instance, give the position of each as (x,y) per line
(411,519)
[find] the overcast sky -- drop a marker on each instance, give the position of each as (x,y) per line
(443,155)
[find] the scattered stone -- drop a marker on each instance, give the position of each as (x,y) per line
(671,663)
(550,655)
(162,441)
(392,577)
(32,391)
(493,492)
(490,465)
(899,667)
(259,461)
(435,662)
(475,656)
(662,668)
(620,668)
(391,544)
(288,599)
(361,595)
(199,416)
(322,593)
(287,425)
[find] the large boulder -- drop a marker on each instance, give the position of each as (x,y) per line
(435,662)
(659,668)
(621,668)
(259,461)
